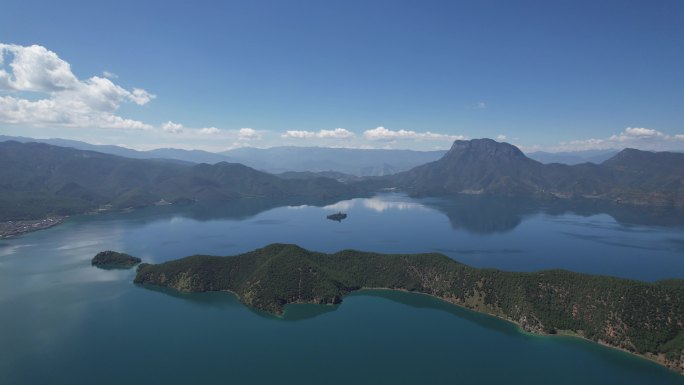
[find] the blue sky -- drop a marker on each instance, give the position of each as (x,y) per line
(553,75)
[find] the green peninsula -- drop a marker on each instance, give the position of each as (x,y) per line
(639,317)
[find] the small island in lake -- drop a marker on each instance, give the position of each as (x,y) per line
(112,259)
(339,216)
(639,317)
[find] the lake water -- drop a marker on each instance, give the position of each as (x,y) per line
(65,322)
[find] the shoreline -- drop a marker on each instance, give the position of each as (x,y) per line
(10,229)
(15,228)
(560,333)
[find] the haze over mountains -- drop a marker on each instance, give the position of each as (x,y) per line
(574,157)
(357,162)
(40,179)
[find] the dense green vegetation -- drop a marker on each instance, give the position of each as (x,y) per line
(645,318)
(114,259)
(38,180)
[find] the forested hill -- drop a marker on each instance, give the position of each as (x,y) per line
(644,318)
(484,166)
(37,180)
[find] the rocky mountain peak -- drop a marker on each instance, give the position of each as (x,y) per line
(485,148)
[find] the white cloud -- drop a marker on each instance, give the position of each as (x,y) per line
(110,75)
(209,131)
(172,128)
(637,137)
(58,96)
(338,133)
(248,134)
(34,68)
(382,133)
(298,134)
(140,96)
(501,137)
(630,133)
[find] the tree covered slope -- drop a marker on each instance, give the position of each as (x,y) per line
(38,180)
(644,318)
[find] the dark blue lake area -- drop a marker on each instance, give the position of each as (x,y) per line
(63,321)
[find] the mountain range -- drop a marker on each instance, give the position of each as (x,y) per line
(484,166)
(38,179)
(355,162)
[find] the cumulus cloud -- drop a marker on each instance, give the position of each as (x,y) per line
(172,128)
(636,132)
(338,133)
(501,137)
(209,131)
(248,134)
(637,137)
(34,68)
(298,134)
(58,97)
(382,133)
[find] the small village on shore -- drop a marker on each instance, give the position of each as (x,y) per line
(14,228)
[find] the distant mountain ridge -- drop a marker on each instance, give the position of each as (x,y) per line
(356,162)
(38,179)
(191,156)
(484,166)
(572,157)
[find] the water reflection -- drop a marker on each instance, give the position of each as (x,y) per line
(226,299)
(238,209)
(7,249)
(487,215)
(377,203)
(422,301)
(299,312)
(217,300)
(473,213)
(481,214)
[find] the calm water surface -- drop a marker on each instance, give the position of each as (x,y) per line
(65,322)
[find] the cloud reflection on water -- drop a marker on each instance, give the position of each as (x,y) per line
(379,203)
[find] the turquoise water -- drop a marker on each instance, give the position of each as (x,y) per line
(65,322)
